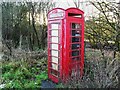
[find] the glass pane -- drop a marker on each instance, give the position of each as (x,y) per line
(75,33)
(75,53)
(54,32)
(54,39)
(75,46)
(75,25)
(55,60)
(54,66)
(54,46)
(54,26)
(54,53)
(75,39)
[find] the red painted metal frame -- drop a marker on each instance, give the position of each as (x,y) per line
(49,57)
(66,63)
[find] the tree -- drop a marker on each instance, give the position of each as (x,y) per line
(21,28)
(0,28)
(99,33)
(107,8)
(77,3)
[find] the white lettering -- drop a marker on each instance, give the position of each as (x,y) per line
(54,15)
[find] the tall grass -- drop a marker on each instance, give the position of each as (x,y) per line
(99,72)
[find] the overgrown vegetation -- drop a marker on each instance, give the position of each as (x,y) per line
(30,72)
(103,30)
(96,73)
(24,73)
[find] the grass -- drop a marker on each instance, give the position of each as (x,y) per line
(23,73)
(29,73)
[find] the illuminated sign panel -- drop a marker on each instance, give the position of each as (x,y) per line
(56,14)
(59,14)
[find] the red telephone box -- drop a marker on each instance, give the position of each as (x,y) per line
(65,43)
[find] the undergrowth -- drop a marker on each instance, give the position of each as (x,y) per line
(24,73)
(29,73)
(97,74)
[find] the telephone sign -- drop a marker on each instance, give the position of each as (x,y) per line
(57,13)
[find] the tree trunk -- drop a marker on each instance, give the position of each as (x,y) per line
(0,25)
(34,28)
(43,30)
(20,42)
(33,39)
(29,34)
(0,30)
